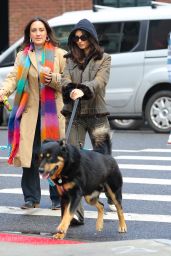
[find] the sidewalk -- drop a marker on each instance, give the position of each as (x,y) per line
(16,245)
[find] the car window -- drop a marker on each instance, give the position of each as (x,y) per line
(118,37)
(109,35)
(130,36)
(9,60)
(123,3)
(158,34)
(62,33)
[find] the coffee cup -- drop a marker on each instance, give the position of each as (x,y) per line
(43,70)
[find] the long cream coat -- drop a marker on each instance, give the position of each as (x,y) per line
(30,115)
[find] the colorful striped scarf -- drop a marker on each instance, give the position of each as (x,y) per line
(49,120)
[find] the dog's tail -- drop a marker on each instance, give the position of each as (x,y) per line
(102,141)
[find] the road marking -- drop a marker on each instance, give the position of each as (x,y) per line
(147,181)
(126,196)
(88,214)
(126,166)
(145,167)
(10,175)
(19,238)
(125,179)
(147,197)
(160,150)
(153,158)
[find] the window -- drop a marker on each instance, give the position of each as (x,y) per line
(158,34)
(130,36)
(118,36)
(62,33)
(122,3)
(115,37)
(109,35)
(9,60)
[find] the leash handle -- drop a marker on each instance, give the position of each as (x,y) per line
(71,119)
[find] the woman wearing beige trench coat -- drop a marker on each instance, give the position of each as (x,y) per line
(37,36)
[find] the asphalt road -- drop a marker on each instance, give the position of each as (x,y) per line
(144,159)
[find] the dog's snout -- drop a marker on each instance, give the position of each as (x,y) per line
(41,170)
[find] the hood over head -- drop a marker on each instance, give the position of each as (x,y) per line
(85,25)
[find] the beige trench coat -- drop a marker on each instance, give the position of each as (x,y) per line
(30,115)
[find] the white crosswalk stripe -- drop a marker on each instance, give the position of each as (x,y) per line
(125,179)
(88,214)
(126,196)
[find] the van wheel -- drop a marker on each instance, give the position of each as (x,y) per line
(158,111)
(125,124)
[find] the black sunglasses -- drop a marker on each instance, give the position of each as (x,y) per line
(82,38)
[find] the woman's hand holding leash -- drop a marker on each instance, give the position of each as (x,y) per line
(76,93)
(4,100)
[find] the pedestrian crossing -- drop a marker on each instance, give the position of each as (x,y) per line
(135,160)
(87,214)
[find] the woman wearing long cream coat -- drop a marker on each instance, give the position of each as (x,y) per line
(30,115)
(39,48)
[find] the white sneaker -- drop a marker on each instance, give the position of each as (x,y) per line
(112,207)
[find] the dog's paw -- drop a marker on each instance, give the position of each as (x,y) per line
(122,229)
(99,225)
(59,235)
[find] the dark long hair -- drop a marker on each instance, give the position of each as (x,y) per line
(78,55)
(50,33)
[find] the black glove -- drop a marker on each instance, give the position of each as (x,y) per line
(86,90)
(66,90)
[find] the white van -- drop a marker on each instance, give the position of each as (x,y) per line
(136,38)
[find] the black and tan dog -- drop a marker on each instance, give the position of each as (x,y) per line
(78,173)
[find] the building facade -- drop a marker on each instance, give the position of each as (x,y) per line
(20,12)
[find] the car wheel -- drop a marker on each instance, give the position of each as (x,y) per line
(158,111)
(125,124)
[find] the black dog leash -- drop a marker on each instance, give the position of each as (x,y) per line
(51,183)
(71,119)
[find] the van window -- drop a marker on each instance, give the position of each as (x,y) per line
(122,3)
(109,36)
(62,33)
(130,36)
(115,37)
(158,34)
(10,59)
(118,37)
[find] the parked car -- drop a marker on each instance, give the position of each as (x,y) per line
(136,38)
